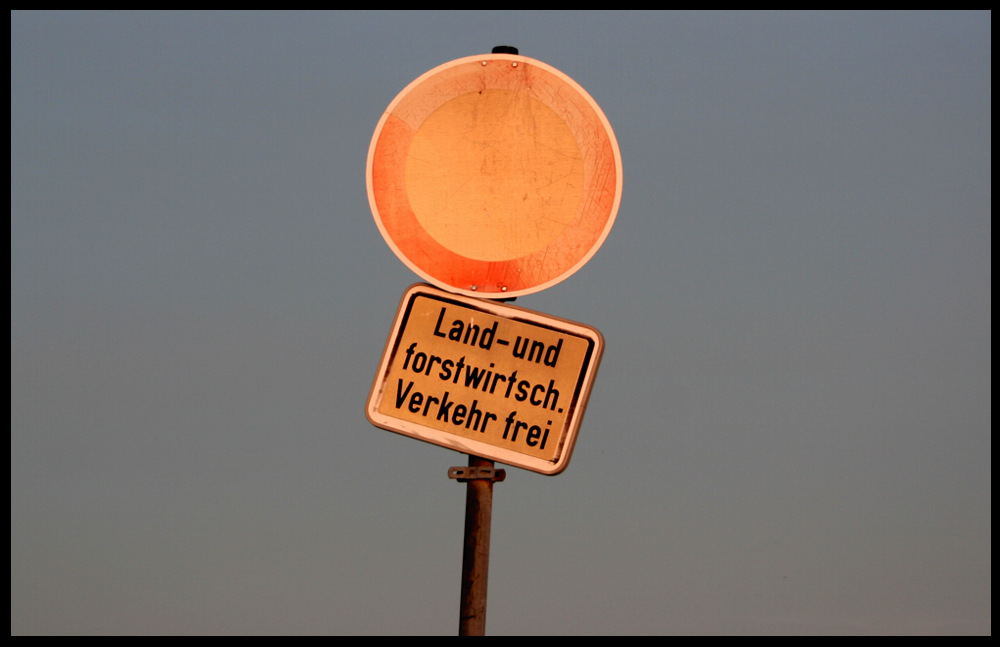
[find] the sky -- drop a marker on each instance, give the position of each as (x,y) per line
(789,432)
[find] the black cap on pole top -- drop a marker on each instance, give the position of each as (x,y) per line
(504,49)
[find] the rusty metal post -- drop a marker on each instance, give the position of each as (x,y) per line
(479,478)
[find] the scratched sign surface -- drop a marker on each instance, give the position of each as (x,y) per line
(494,176)
(484,378)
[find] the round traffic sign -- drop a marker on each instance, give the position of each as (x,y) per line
(494,176)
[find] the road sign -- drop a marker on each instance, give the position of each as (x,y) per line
(485,378)
(494,176)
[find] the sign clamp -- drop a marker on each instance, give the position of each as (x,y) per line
(466,474)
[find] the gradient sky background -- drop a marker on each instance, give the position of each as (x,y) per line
(790,430)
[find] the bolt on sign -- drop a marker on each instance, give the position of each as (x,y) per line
(485,378)
(494,176)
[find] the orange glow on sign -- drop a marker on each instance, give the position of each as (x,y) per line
(494,176)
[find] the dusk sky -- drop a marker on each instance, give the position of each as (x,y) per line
(790,429)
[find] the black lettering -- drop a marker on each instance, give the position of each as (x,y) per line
(496,378)
(509,420)
(471,334)
(535,389)
(430,365)
(510,383)
(446,367)
(455,334)
(486,341)
(473,377)
(551,393)
(458,369)
(475,416)
(415,401)
(427,404)
(552,354)
(437,326)
(536,351)
(409,353)
(401,394)
(445,408)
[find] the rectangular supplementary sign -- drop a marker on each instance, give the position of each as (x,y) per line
(484,378)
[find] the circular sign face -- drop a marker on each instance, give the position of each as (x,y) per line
(494,176)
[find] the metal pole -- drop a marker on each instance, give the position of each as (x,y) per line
(479,478)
